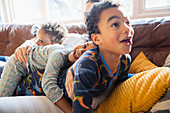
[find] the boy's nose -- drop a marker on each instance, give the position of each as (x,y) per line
(126,28)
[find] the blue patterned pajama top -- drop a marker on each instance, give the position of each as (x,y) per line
(52,58)
(92,77)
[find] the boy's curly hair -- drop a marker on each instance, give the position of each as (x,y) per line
(93,16)
(56,31)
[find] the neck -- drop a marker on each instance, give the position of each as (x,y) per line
(112,60)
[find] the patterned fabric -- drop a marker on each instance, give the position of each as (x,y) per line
(51,58)
(92,78)
(30,85)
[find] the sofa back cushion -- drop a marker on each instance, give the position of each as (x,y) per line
(151,36)
(12,36)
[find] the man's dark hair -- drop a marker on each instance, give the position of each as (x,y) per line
(93,1)
(93,16)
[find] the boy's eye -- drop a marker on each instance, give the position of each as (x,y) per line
(41,41)
(115,25)
(128,23)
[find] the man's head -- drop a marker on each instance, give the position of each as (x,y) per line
(88,5)
(50,33)
(109,27)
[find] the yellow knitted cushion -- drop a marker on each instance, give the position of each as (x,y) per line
(141,63)
(138,93)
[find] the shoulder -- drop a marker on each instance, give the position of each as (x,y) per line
(89,57)
(88,61)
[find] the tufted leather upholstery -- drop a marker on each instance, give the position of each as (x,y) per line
(152,36)
(11,36)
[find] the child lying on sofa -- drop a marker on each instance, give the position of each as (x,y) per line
(52,58)
(20,52)
(46,34)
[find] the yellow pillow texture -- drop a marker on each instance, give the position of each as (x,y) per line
(138,93)
(141,63)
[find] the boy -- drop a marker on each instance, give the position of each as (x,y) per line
(100,69)
(107,64)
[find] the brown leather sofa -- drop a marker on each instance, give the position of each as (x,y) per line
(152,36)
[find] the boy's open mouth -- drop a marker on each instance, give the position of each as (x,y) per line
(127,40)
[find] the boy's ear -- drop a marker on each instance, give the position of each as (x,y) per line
(96,39)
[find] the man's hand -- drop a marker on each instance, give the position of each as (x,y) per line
(69,84)
(21,53)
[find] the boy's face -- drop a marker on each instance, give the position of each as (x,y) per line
(115,32)
(79,50)
(42,38)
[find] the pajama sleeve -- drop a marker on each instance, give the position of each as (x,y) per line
(56,61)
(84,80)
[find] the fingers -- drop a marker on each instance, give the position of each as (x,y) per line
(21,54)
(28,49)
(78,53)
(69,84)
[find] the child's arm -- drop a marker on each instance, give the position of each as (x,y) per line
(69,84)
(56,61)
(64,105)
(85,77)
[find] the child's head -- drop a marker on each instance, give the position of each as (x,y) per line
(50,33)
(79,50)
(109,27)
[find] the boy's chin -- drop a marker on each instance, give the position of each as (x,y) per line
(127,51)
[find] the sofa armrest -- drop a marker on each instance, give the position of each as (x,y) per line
(28,104)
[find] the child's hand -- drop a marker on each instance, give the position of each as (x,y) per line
(21,53)
(69,84)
